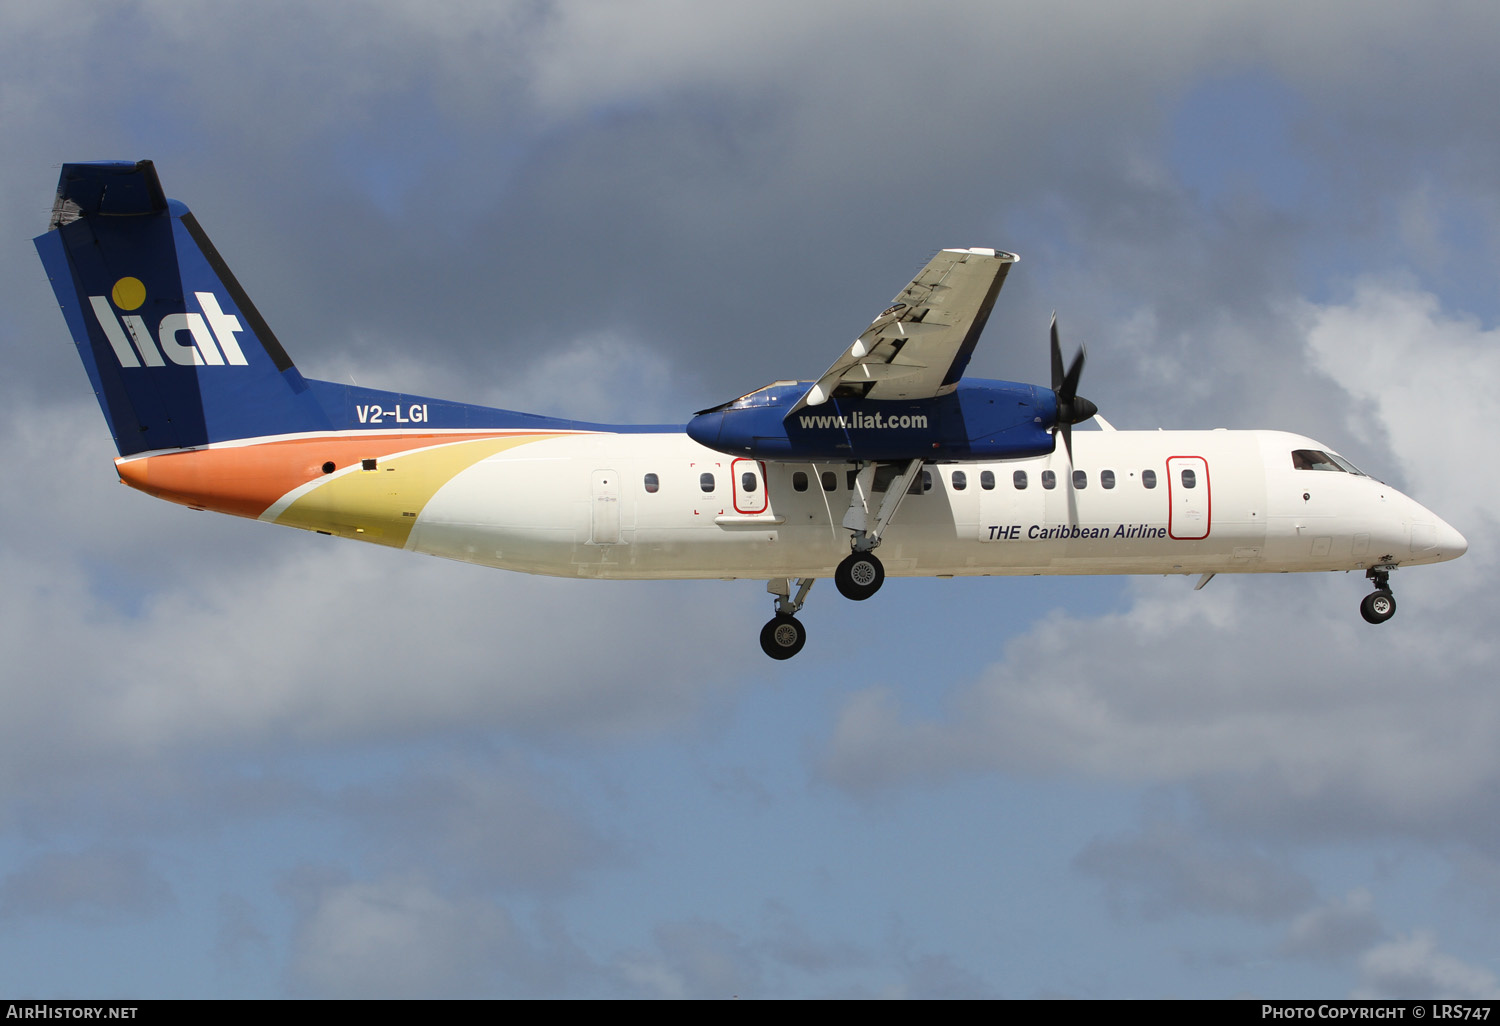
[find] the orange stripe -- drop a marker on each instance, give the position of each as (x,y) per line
(245,480)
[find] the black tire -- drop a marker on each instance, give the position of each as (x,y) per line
(783,636)
(1378,606)
(859,576)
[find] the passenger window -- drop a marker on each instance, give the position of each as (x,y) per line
(1189,479)
(1080,479)
(748,481)
(960,481)
(1148,478)
(830,480)
(926,481)
(652,484)
(987,480)
(1019,477)
(799,481)
(1106,479)
(850,476)
(1049,479)
(706,482)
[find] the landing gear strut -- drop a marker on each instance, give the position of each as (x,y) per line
(1380,605)
(783,635)
(872,503)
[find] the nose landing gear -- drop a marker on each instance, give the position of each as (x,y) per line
(1380,605)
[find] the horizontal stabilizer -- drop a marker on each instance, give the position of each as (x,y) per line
(108,188)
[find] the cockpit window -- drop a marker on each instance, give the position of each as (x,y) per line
(1317,459)
(755,398)
(1351,468)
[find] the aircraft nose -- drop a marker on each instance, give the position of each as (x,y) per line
(1436,541)
(1450,544)
(704,428)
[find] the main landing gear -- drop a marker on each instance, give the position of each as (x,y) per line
(877,493)
(783,635)
(859,576)
(1380,605)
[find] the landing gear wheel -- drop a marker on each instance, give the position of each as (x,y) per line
(859,576)
(783,636)
(1378,606)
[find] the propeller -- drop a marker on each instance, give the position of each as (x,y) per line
(1071,407)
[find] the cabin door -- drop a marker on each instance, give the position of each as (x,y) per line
(606,507)
(1189,501)
(749,485)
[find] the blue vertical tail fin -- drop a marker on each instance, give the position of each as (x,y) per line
(178,355)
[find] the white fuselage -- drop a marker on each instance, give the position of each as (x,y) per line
(661,506)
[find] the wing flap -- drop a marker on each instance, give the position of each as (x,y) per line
(919,346)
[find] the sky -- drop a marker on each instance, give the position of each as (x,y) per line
(240,761)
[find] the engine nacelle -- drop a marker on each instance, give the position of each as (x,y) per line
(980,420)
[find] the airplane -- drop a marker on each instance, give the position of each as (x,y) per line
(791,483)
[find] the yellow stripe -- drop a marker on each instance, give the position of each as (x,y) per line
(381,505)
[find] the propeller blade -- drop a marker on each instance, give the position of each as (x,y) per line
(1057,365)
(1070,382)
(1071,408)
(1072,491)
(1066,474)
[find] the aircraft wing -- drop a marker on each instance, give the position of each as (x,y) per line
(921,344)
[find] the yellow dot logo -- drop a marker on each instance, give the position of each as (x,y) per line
(128,293)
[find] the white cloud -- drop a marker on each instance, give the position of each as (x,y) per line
(491,822)
(606,378)
(98,885)
(1165,870)
(333,643)
(1336,929)
(1412,967)
(1185,686)
(399,937)
(695,959)
(1425,379)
